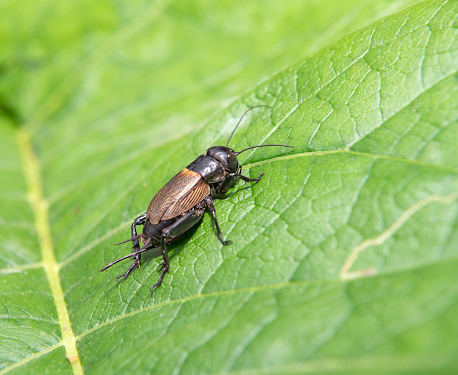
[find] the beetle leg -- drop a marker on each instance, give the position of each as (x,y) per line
(128,272)
(164,266)
(135,245)
(230,180)
(211,207)
(135,254)
(137,261)
(159,282)
(183,224)
(246,179)
(138,221)
(165,257)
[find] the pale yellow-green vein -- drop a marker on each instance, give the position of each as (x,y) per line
(40,208)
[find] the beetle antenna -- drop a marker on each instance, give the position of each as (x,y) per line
(249,148)
(241,118)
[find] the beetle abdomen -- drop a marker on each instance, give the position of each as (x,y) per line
(154,231)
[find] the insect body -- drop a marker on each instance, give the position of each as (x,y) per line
(181,203)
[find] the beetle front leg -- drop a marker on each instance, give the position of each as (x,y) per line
(232,178)
(211,207)
(246,179)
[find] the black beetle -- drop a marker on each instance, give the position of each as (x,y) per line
(181,203)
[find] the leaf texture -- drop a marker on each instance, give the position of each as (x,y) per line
(343,257)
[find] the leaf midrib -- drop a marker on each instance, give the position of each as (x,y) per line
(32,174)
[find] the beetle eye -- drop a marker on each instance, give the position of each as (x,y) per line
(231,156)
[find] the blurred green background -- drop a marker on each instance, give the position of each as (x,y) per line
(102,102)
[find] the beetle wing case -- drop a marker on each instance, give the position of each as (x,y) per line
(179,195)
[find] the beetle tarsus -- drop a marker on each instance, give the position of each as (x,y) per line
(259,177)
(211,207)
(159,282)
(137,263)
(246,179)
(124,275)
(164,266)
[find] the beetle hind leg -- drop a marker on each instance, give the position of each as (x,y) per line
(180,226)
(159,282)
(165,265)
(138,260)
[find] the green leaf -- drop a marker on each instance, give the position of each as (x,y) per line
(343,257)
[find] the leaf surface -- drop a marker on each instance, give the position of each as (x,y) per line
(343,257)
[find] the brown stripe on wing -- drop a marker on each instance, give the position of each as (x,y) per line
(180,194)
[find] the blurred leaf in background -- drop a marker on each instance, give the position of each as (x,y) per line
(344,256)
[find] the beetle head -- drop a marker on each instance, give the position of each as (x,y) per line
(230,154)
(226,156)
